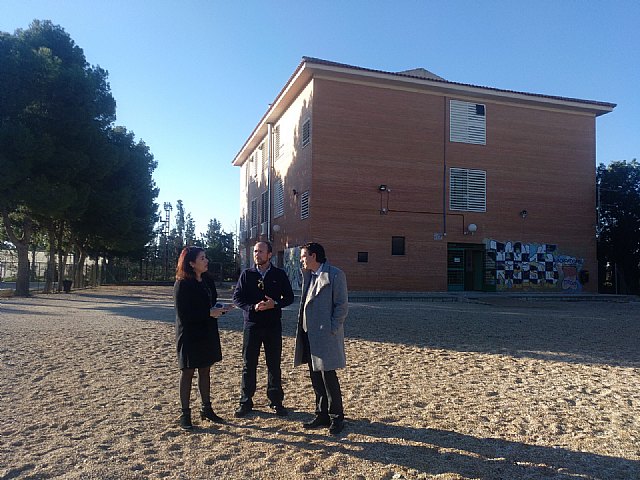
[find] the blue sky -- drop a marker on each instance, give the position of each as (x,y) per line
(193,77)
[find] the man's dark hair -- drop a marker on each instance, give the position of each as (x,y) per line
(316,248)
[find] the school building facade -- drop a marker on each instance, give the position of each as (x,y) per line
(415,183)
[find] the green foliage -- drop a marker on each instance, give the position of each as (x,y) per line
(619,221)
(190,231)
(219,245)
(63,163)
(120,212)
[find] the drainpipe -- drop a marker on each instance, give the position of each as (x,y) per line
(269,163)
(444,169)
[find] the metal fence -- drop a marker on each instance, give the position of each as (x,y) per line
(116,271)
(38,273)
(155,271)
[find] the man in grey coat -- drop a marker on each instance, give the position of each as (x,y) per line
(320,336)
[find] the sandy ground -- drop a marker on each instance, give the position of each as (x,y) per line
(496,389)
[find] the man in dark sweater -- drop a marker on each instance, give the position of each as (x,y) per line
(262,292)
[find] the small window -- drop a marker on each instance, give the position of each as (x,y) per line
(278,198)
(276,146)
(254,212)
(363,257)
(397,245)
(306,132)
(264,212)
(263,158)
(304,205)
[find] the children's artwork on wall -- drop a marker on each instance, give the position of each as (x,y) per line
(531,266)
(291,262)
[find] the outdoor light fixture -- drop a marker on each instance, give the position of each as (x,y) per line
(382,188)
(276,228)
(523,214)
(471,229)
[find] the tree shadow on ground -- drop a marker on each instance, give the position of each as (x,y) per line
(575,332)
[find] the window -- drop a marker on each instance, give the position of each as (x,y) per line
(245,172)
(397,245)
(467,190)
(276,146)
(254,212)
(243,229)
(304,205)
(467,122)
(263,158)
(254,166)
(363,257)
(306,132)
(278,198)
(264,212)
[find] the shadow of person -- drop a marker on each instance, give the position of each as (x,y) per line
(439,452)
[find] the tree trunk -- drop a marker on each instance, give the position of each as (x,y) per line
(62,256)
(33,262)
(79,269)
(51,264)
(22,247)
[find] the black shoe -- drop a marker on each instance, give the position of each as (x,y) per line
(185,419)
(279,410)
(317,422)
(242,410)
(207,413)
(337,424)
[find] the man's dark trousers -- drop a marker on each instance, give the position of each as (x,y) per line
(326,387)
(253,338)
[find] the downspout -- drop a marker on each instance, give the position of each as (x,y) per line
(444,169)
(269,161)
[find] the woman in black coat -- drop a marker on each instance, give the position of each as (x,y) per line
(197,337)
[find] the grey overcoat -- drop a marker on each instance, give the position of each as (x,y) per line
(325,309)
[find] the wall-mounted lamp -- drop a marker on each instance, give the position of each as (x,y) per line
(383,188)
(523,214)
(471,229)
(276,228)
(295,192)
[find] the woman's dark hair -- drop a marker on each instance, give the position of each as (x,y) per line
(184,269)
(316,248)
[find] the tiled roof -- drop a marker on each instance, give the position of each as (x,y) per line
(416,73)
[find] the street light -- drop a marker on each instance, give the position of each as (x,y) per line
(167,221)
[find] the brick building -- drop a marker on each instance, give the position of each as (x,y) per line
(415,183)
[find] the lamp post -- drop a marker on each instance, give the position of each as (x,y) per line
(167,221)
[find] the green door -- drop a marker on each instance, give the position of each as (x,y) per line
(455,269)
(465,267)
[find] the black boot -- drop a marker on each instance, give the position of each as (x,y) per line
(185,419)
(207,413)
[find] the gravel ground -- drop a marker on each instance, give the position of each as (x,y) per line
(492,389)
